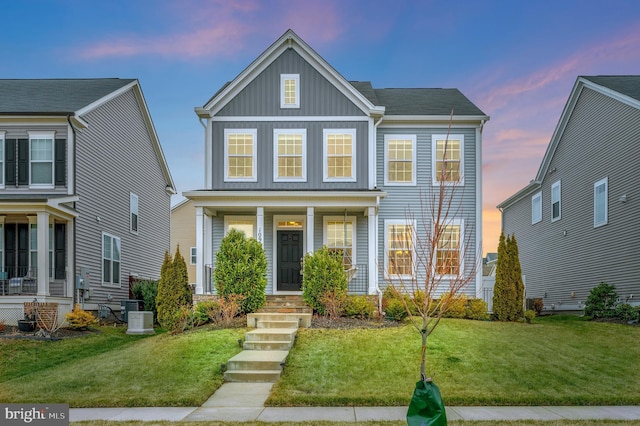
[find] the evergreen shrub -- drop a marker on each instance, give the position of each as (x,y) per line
(601,301)
(323,273)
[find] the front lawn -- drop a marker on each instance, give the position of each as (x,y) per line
(113,369)
(557,360)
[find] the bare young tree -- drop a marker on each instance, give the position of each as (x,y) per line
(435,250)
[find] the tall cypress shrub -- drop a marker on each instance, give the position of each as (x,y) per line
(167,303)
(518,307)
(183,289)
(503,292)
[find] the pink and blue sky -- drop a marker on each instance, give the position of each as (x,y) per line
(516,60)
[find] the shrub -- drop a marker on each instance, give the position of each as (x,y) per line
(538,305)
(529,315)
(456,306)
(80,319)
(476,309)
(601,301)
(323,273)
(201,312)
(181,277)
(167,300)
(359,307)
(147,291)
(334,303)
(241,270)
(626,312)
(508,291)
(395,310)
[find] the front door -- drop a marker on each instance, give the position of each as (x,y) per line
(290,252)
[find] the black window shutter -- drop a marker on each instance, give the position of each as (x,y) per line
(23,161)
(60,246)
(10,161)
(61,162)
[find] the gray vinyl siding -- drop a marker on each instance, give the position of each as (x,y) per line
(314,160)
(600,140)
(318,97)
(115,156)
(404,202)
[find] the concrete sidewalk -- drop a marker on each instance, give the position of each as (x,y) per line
(245,402)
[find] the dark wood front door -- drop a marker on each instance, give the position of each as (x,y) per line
(289,256)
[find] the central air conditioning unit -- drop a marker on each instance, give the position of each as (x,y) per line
(129,305)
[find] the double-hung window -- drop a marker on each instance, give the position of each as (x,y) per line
(447,159)
(399,243)
(600,209)
(556,207)
(133,213)
(339,237)
(240,155)
(246,224)
(536,208)
(400,159)
(339,155)
(1,161)
(290,155)
(41,145)
(110,260)
(193,255)
(290,91)
(448,260)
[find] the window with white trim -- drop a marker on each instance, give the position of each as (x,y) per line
(110,260)
(339,237)
(1,161)
(600,197)
(447,159)
(400,159)
(133,213)
(41,159)
(289,90)
(193,255)
(240,155)
(556,207)
(246,224)
(536,208)
(448,253)
(399,244)
(339,162)
(290,155)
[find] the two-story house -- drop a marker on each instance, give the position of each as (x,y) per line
(84,193)
(298,157)
(576,221)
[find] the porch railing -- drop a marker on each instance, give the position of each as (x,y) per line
(20,280)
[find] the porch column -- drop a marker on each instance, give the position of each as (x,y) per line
(199,250)
(372,231)
(43,253)
(70,273)
(310,232)
(260,225)
(207,250)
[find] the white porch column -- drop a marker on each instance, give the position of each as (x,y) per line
(260,225)
(199,250)
(310,230)
(43,253)
(372,231)
(207,250)
(70,273)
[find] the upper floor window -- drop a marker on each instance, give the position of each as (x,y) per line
(339,155)
(290,91)
(447,159)
(600,196)
(339,237)
(400,159)
(448,259)
(246,224)
(399,247)
(193,255)
(290,157)
(133,213)
(1,160)
(41,147)
(110,260)
(240,155)
(536,208)
(556,210)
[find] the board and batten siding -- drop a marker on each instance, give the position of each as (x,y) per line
(318,97)
(115,156)
(314,160)
(563,260)
(404,202)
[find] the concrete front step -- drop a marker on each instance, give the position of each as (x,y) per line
(252,376)
(286,309)
(303,319)
(278,324)
(267,345)
(255,366)
(271,335)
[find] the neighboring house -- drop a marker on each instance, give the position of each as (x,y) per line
(576,223)
(183,234)
(84,193)
(298,157)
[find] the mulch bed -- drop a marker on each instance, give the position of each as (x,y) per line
(345,323)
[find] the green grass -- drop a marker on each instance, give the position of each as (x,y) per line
(378,423)
(558,360)
(112,369)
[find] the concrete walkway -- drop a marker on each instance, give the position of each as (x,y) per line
(245,402)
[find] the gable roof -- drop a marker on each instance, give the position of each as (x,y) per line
(623,88)
(73,98)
